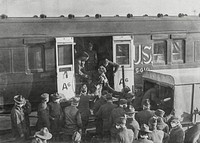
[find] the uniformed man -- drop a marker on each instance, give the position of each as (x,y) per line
(55,115)
(124,135)
(143,135)
(131,123)
(157,136)
(18,123)
(91,63)
(115,116)
(143,116)
(42,136)
(43,112)
(176,135)
(104,114)
(72,120)
(98,121)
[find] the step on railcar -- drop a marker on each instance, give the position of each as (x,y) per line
(37,55)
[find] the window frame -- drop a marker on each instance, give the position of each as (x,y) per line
(183,52)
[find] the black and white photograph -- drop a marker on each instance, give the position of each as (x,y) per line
(99,71)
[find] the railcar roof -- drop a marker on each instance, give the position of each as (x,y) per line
(90,26)
(174,76)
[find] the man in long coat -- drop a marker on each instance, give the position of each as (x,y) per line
(18,119)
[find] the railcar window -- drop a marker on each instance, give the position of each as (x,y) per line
(35,58)
(197,50)
(5,60)
(64,55)
(49,59)
(160,52)
(178,48)
(122,54)
(19,60)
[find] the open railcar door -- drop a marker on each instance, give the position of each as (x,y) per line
(123,54)
(65,66)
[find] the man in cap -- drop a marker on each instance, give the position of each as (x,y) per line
(18,123)
(115,116)
(131,123)
(157,136)
(161,125)
(104,113)
(43,112)
(98,121)
(176,135)
(42,136)
(55,115)
(91,63)
(143,116)
(144,131)
(72,120)
(124,135)
(126,94)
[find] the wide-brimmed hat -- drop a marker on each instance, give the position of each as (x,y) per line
(75,101)
(45,96)
(56,96)
(19,99)
(122,101)
(159,113)
(43,134)
(131,110)
(145,128)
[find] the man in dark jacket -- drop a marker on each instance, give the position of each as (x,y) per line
(18,119)
(115,117)
(43,112)
(143,116)
(176,135)
(104,113)
(72,120)
(27,111)
(143,138)
(124,135)
(131,123)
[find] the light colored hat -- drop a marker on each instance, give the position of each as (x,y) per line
(131,110)
(145,128)
(19,99)
(45,96)
(43,134)
(159,113)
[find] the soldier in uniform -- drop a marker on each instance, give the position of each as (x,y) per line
(55,115)
(143,135)
(43,112)
(72,120)
(18,123)
(131,123)
(27,111)
(91,63)
(143,116)
(42,136)
(176,135)
(124,135)
(115,116)
(157,136)
(98,121)
(104,114)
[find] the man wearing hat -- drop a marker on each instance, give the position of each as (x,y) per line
(115,116)
(157,136)
(144,131)
(176,135)
(18,119)
(43,112)
(131,123)
(98,121)
(104,113)
(72,120)
(55,115)
(42,136)
(143,116)
(124,135)
(161,125)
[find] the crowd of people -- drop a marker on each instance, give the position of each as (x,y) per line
(115,122)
